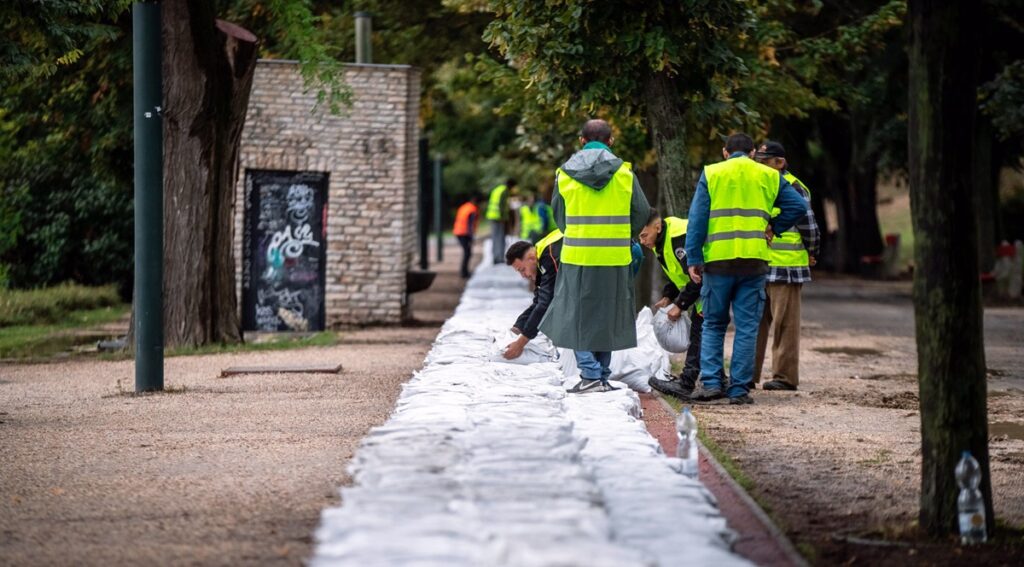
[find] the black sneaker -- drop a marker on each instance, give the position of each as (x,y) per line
(702,394)
(778,385)
(678,387)
(741,400)
(586,386)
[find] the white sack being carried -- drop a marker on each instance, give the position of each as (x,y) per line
(637,365)
(673,336)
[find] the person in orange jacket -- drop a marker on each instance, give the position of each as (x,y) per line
(467,218)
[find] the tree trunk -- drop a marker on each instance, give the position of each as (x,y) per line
(835,136)
(947,295)
(668,133)
(864,230)
(208,70)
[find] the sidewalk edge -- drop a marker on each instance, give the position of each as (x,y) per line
(780,537)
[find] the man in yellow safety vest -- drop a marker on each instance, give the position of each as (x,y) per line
(792,254)
(539,265)
(727,252)
(599,207)
(499,214)
(667,239)
(531,224)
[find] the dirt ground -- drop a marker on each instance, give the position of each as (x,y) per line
(216,471)
(841,457)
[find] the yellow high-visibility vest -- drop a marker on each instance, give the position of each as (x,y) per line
(494,211)
(552,237)
(742,195)
(597,228)
(529,222)
(787,249)
(674,270)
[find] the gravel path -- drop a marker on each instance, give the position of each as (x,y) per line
(842,456)
(220,471)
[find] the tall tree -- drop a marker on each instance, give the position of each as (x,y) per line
(947,295)
(208,69)
(859,64)
(586,55)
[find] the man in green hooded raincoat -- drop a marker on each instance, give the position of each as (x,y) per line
(599,206)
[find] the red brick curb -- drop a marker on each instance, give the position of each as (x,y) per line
(760,541)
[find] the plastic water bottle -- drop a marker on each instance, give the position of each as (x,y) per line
(970,504)
(686,450)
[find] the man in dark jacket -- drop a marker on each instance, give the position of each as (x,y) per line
(667,239)
(538,264)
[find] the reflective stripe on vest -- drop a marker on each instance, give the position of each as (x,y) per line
(461,227)
(529,222)
(552,237)
(787,249)
(742,194)
(597,228)
(494,211)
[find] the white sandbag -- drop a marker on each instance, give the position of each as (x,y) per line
(673,336)
(636,366)
(539,349)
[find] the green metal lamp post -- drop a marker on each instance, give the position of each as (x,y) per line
(149,183)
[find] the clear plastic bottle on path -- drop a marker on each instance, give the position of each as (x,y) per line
(970,504)
(686,450)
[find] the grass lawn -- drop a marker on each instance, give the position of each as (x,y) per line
(49,339)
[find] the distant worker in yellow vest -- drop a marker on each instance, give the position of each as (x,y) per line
(792,254)
(467,219)
(666,237)
(599,207)
(539,265)
(500,216)
(531,222)
(727,252)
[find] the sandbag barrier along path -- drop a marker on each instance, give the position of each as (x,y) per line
(489,463)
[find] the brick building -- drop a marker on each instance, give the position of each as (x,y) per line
(325,216)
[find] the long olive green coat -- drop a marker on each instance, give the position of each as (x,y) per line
(593,308)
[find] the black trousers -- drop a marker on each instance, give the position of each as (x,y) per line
(467,252)
(691,371)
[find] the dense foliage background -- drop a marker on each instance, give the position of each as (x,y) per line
(506,85)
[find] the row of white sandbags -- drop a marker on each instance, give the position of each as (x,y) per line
(489,463)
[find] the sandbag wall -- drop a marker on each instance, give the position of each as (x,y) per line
(489,463)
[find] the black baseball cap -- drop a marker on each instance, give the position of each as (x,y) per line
(771,149)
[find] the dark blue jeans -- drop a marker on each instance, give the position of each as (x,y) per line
(593,365)
(746,296)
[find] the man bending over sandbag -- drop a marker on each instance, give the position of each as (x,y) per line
(667,238)
(538,264)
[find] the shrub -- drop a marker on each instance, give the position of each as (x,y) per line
(52,304)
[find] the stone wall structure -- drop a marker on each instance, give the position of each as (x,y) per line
(371,157)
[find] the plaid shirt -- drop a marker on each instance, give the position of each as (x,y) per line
(808,229)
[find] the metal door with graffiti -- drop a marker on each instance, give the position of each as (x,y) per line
(284,250)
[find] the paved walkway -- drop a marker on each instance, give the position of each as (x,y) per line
(490,463)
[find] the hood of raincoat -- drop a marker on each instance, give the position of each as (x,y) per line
(593,167)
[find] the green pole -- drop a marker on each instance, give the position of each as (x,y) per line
(437,209)
(149,191)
